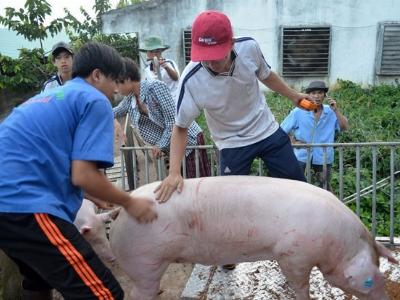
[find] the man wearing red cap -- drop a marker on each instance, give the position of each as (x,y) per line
(223,80)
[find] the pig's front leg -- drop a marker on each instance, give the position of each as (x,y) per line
(146,279)
(298,279)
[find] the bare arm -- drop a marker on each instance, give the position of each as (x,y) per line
(171,71)
(174,180)
(343,123)
(275,83)
(86,175)
(99,203)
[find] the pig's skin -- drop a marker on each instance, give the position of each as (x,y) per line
(222,220)
(91,226)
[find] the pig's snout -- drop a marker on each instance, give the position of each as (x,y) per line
(112,259)
(106,255)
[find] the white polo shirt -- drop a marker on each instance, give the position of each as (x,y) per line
(236,112)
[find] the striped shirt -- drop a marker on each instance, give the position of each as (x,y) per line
(156,127)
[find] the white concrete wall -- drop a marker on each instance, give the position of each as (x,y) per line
(354,26)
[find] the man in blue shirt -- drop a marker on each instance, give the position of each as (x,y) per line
(308,127)
(51,149)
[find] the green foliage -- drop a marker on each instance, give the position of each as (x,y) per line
(125,3)
(25,73)
(32,68)
(126,45)
(29,22)
(90,30)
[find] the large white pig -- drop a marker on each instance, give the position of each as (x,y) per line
(92,226)
(232,219)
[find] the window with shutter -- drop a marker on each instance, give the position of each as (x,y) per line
(187,40)
(388,54)
(305,51)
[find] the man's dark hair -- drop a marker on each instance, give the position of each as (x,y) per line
(59,51)
(94,55)
(131,70)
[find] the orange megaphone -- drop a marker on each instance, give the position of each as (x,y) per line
(307,104)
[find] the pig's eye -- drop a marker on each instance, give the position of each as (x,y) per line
(369,283)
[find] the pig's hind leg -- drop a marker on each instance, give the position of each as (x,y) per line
(298,279)
(146,278)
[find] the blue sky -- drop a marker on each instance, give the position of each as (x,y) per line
(57,6)
(10,42)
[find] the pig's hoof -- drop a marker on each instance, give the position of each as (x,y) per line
(229,267)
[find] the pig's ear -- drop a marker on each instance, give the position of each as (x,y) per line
(384,252)
(85,229)
(115,212)
(110,215)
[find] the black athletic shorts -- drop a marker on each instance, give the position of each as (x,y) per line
(51,253)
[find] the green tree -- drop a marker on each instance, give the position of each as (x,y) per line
(124,3)
(30,21)
(26,73)
(91,29)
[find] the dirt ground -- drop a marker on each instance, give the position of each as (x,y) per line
(172,283)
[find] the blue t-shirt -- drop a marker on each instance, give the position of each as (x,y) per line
(305,129)
(40,139)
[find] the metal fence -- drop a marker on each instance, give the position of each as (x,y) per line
(363,175)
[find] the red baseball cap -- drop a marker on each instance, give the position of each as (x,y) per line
(211,36)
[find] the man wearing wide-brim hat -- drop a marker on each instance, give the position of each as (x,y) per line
(319,126)
(160,68)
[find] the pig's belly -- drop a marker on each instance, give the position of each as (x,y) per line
(211,247)
(225,254)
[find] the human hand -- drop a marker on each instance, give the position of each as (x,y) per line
(308,104)
(300,96)
(332,103)
(163,63)
(165,189)
(141,209)
(157,153)
(172,73)
(141,106)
